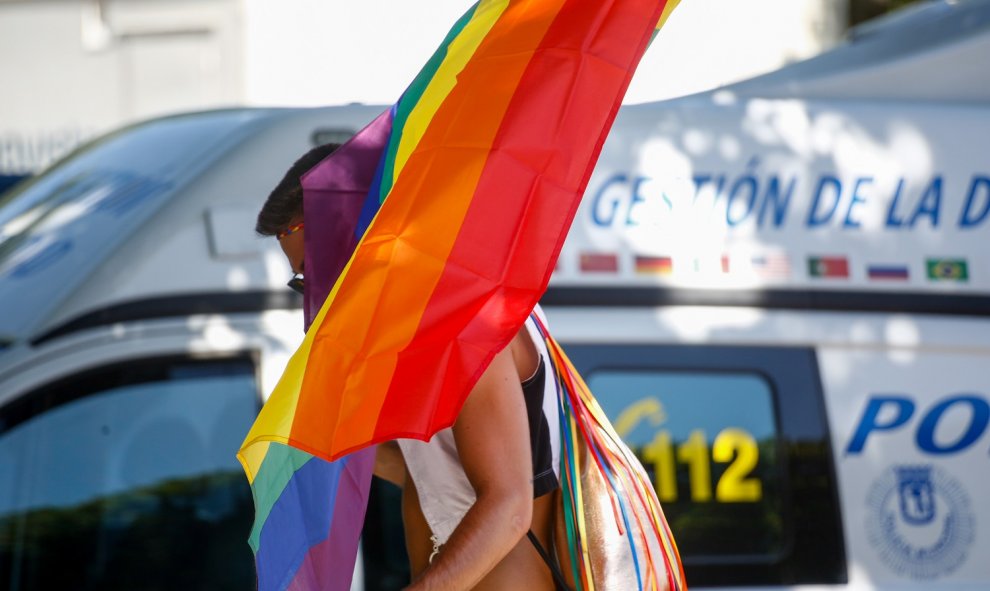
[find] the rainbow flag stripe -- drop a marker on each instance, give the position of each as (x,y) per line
(303,504)
(486,157)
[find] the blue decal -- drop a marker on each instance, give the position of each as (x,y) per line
(869,422)
(917,497)
(892,220)
(972,217)
(930,204)
(815,218)
(636,198)
(979,419)
(920,521)
(898,411)
(857,199)
(613,203)
(777,200)
(764,199)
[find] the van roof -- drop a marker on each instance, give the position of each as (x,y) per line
(930,51)
(100,227)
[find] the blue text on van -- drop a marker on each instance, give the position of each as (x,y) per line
(767,200)
(886,413)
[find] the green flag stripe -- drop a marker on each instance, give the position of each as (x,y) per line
(410,98)
(280,463)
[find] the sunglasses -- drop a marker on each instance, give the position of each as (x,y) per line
(297,284)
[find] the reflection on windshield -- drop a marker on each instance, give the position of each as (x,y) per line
(56,229)
(111,481)
(163,151)
(111,192)
(125,438)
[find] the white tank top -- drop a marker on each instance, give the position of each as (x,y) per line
(445,494)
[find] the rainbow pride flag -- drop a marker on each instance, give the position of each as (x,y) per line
(480,168)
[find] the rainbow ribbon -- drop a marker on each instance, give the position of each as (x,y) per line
(589,438)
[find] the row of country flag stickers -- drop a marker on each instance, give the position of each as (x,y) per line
(775,267)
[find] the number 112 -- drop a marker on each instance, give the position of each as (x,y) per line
(731,445)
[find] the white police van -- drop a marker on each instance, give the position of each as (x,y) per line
(780,292)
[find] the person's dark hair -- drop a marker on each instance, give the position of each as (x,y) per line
(286,200)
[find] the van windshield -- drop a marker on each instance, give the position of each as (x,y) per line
(55,229)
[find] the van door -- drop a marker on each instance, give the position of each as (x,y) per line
(737,444)
(123,476)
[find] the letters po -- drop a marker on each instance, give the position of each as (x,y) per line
(890,412)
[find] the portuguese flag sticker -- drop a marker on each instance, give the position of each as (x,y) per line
(947,269)
(828,267)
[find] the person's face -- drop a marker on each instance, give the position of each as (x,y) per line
(294,247)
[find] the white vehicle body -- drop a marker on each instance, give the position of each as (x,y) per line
(780,292)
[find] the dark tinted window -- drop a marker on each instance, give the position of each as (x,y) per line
(710,443)
(737,443)
(125,478)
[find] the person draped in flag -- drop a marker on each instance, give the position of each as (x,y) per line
(476,503)
(457,201)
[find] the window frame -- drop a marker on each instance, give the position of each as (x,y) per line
(156,369)
(63,382)
(780,449)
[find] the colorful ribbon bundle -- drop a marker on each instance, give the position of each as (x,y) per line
(624,543)
(471,183)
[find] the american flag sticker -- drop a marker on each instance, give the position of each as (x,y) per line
(888,272)
(646,265)
(597,262)
(771,266)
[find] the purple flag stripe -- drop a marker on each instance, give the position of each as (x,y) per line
(334,192)
(330,564)
(302,517)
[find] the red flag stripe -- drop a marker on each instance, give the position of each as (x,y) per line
(507,247)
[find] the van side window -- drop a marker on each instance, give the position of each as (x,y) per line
(126,475)
(710,443)
(737,444)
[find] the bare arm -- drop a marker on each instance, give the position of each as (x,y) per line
(389,464)
(492,435)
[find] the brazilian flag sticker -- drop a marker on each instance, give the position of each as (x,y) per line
(947,269)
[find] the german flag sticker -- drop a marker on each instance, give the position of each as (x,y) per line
(654,265)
